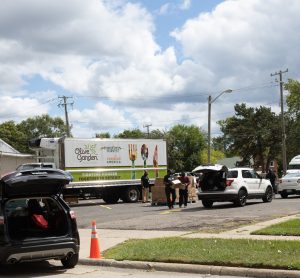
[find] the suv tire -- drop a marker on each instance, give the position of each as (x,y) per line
(284,195)
(241,199)
(268,195)
(207,203)
(70,261)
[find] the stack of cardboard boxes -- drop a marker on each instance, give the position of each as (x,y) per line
(159,195)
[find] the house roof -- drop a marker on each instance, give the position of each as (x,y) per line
(8,150)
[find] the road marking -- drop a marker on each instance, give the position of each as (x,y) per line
(171,211)
(105,207)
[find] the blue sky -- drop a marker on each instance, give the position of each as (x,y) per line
(125,64)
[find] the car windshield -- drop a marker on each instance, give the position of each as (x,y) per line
(28,167)
(292,175)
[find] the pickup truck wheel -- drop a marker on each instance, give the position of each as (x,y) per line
(284,195)
(268,195)
(207,203)
(111,198)
(241,199)
(131,195)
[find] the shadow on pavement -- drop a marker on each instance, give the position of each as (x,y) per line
(36,269)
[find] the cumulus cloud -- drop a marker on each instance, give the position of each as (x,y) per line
(18,108)
(108,49)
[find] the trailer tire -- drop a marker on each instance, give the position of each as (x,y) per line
(131,195)
(111,198)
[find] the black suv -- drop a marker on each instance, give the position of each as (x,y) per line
(35,222)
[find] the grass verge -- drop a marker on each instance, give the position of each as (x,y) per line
(287,228)
(229,252)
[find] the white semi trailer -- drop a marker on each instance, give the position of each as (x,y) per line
(110,169)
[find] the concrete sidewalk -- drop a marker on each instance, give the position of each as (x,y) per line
(109,238)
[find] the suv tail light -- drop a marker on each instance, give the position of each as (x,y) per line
(72,214)
(229,182)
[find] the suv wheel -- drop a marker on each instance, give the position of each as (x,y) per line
(241,199)
(207,203)
(284,195)
(70,261)
(268,195)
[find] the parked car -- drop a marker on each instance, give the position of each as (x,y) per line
(35,223)
(29,166)
(289,184)
(217,183)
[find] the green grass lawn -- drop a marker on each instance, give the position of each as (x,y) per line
(229,252)
(288,228)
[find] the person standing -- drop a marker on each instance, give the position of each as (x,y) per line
(183,192)
(169,190)
(272,177)
(145,186)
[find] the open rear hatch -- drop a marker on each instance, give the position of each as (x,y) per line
(35,182)
(212,177)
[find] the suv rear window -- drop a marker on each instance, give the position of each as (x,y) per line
(232,174)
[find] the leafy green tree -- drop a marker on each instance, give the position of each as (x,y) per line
(215,156)
(293,118)
(12,135)
(133,134)
(103,135)
(43,126)
(253,133)
(18,135)
(185,144)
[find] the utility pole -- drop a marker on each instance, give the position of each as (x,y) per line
(64,102)
(284,163)
(210,101)
(147,126)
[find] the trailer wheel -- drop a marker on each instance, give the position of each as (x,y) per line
(131,195)
(111,198)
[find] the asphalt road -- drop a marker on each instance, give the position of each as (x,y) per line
(140,216)
(54,269)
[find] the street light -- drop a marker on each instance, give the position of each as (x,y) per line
(210,101)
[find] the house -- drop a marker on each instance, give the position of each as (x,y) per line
(10,158)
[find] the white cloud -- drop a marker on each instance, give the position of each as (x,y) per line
(19,108)
(108,49)
(185,5)
(101,117)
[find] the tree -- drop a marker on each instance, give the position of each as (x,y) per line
(131,134)
(293,118)
(43,126)
(103,135)
(185,144)
(215,155)
(12,135)
(18,135)
(253,133)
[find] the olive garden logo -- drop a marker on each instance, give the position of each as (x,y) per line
(87,153)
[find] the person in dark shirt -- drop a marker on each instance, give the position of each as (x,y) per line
(183,192)
(145,186)
(272,177)
(170,191)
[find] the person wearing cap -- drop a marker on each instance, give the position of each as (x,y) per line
(145,186)
(169,190)
(183,192)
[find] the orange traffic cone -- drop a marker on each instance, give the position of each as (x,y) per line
(95,249)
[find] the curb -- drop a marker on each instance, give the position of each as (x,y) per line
(195,269)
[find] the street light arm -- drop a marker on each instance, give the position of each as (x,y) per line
(226,91)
